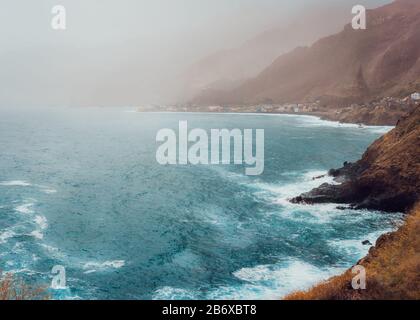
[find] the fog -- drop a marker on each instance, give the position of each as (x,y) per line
(126,52)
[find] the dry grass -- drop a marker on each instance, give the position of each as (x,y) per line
(12,288)
(392,269)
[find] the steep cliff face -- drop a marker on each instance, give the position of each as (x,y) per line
(386,178)
(352,65)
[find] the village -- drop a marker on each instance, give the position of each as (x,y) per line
(381,111)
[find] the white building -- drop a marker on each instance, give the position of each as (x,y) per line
(415,96)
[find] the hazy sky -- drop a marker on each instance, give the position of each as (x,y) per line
(120,52)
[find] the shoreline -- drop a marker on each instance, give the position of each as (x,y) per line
(318,118)
(384,112)
(383,275)
(300,114)
(400,221)
(380,180)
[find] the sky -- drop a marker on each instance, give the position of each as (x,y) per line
(123,52)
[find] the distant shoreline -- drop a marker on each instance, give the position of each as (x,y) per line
(383,112)
(318,115)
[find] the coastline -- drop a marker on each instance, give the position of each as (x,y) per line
(318,182)
(391,269)
(300,294)
(277,271)
(318,116)
(383,112)
(386,178)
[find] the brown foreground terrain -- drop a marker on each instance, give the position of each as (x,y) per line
(386,178)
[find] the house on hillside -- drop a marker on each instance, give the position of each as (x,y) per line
(415,96)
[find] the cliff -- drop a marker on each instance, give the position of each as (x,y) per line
(386,178)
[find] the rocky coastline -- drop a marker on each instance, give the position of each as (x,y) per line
(387,178)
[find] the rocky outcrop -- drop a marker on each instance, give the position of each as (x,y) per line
(387,177)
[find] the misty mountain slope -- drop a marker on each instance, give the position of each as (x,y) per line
(228,68)
(351,65)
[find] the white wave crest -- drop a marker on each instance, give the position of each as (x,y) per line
(37,234)
(25,208)
(170,293)
(306,182)
(275,281)
(314,121)
(91,267)
(15,183)
(4,236)
(23,183)
(269,282)
(41,221)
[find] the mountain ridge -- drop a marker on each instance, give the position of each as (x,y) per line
(229,68)
(352,65)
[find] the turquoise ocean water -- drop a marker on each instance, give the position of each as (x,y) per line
(81,188)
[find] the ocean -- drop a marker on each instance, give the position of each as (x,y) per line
(81,188)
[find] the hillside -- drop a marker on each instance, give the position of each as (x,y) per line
(229,68)
(353,65)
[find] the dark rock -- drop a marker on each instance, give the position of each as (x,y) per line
(334,172)
(387,178)
(341,208)
(367,243)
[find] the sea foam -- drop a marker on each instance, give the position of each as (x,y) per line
(270,282)
(15,183)
(91,267)
(25,208)
(5,235)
